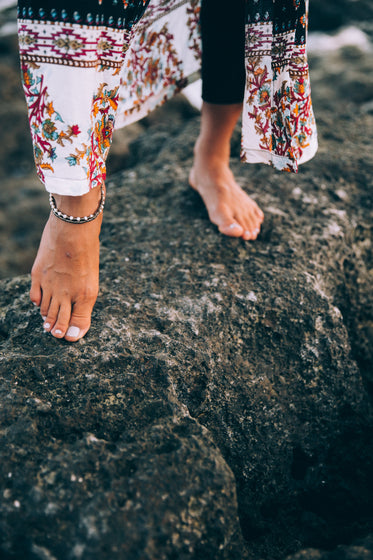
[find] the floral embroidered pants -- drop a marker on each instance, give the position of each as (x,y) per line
(90,66)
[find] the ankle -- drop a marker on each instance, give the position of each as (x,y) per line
(83,205)
(211,148)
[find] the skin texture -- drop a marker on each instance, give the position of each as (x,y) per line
(64,277)
(228,206)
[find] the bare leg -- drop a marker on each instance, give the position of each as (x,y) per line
(64,277)
(228,206)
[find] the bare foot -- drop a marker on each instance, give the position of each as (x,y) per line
(64,277)
(228,206)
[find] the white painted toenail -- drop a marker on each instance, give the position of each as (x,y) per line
(57,331)
(256,230)
(73,332)
(233,226)
(44,318)
(46,326)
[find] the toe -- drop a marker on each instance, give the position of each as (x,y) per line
(35,291)
(248,225)
(247,235)
(251,226)
(80,321)
(62,323)
(258,213)
(45,304)
(233,229)
(252,222)
(51,315)
(223,217)
(227,223)
(251,234)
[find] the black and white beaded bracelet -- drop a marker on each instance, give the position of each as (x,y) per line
(77,220)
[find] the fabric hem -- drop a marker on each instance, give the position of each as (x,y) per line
(67,187)
(249,155)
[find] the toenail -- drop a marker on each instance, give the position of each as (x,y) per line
(34,302)
(44,317)
(256,230)
(233,226)
(73,332)
(46,326)
(57,331)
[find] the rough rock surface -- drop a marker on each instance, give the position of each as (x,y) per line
(220,406)
(361,550)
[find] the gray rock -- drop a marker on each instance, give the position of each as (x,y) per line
(327,16)
(362,550)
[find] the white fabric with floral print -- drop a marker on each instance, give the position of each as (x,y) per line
(81,82)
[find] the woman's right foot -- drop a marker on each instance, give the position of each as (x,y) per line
(64,277)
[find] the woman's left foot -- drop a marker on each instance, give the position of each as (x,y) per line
(228,206)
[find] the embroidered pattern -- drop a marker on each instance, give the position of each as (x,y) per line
(72,45)
(145,72)
(193,11)
(92,157)
(90,66)
(104,106)
(47,126)
(278,100)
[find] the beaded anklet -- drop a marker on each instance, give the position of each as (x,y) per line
(77,220)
